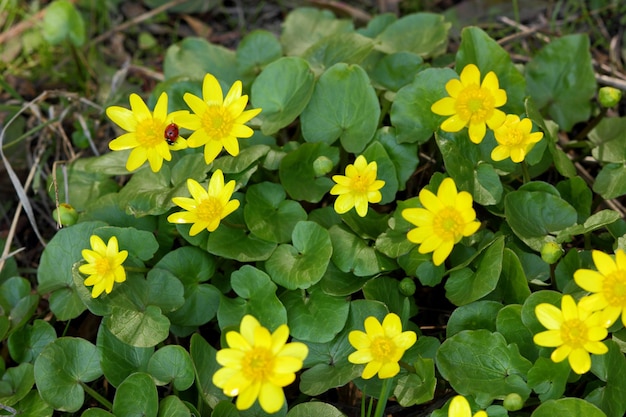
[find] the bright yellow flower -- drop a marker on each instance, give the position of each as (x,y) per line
(471,103)
(574,331)
(206,208)
(608,285)
(145,132)
(381,346)
(217,122)
(459,407)
(358,187)
(445,219)
(104,265)
(514,139)
(258,364)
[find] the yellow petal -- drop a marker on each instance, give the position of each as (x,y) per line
(549,316)
(124,118)
(459,407)
(477,132)
(442,252)
(139,108)
(470,75)
(580,361)
(589,280)
(212,91)
(271,398)
(444,106)
(388,370)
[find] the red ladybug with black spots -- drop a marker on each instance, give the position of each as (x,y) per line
(171,133)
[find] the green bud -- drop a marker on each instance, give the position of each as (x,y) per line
(551,252)
(609,96)
(513,402)
(65,214)
(322,166)
(407,287)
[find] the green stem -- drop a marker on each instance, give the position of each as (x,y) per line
(525,174)
(93,394)
(382,401)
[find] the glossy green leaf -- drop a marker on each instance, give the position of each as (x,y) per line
(561,79)
(410,112)
(17,298)
(268,215)
(302,264)
(349,48)
(305,26)
(17,381)
(148,193)
(596,221)
(611,368)
(256,50)
(611,181)
(529,317)
(549,379)
(32,405)
(136,396)
(203,357)
(145,328)
(61,368)
(27,343)
(298,176)
(480,363)
(474,316)
(120,359)
(608,139)
(353,254)
(317,409)
(566,407)
(403,155)
(343,106)
(509,324)
(396,70)
(165,290)
(576,192)
(513,285)
(172,406)
(385,290)
(418,387)
(282,90)
(172,364)
(336,282)
(194,57)
(245,159)
(96,412)
(315,316)
(424,34)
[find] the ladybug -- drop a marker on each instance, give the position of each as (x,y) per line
(171,133)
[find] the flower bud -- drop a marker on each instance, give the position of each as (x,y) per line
(65,214)
(407,287)
(322,166)
(551,252)
(609,96)
(513,402)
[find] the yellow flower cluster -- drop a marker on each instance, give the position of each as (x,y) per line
(474,104)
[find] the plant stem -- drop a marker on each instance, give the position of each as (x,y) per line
(525,174)
(382,401)
(93,394)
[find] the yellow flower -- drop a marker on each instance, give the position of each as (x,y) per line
(258,364)
(217,122)
(514,139)
(146,132)
(104,265)
(445,219)
(459,407)
(207,207)
(574,331)
(471,103)
(381,346)
(358,187)
(608,285)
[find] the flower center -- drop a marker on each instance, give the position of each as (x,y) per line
(382,349)
(360,184)
(614,288)
(149,133)
(475,104)
(448,224)
(217,122)
(103,266)
(257,364)
(209,209)
(513,137)
(574,333)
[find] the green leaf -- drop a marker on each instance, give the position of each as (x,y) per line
(302,264)
(172,364)
(609,138)
(611,368)
(18,380)
(32,405)
(353,254)
(548,378)
(509,324)
(403,155)
(256,50)
(480,363)
(315,316)
(268,215)
(305,26)
(148,193)
(172,406)
(611,181)
(474,316)
(16,297)
(386,170)
(336,282)
(561,79)
(195,57)
(418,387)
(596,221)
(529,317)
(385,290)
(136,397)
(165,290)
(120,359)
(410,112)
(203,357)
(513,283)
(567,407)
(576,192)
(62,21)
(144,328)
(317,409)
(282,90)
(396,70)
(464,285)
(424,34)
(343,106)
(349,48)
(26,343)
(478,48)
(61,368)
(246,158)
(298,176)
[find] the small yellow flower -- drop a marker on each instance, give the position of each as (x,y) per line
(358,187)
(573,330)
(206,208)
(608,285)
(258,364)
(514,139)
(146,132)
(471,103)
(445,219)
(217,122)
(104,265)
(459,407)
(381,346)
